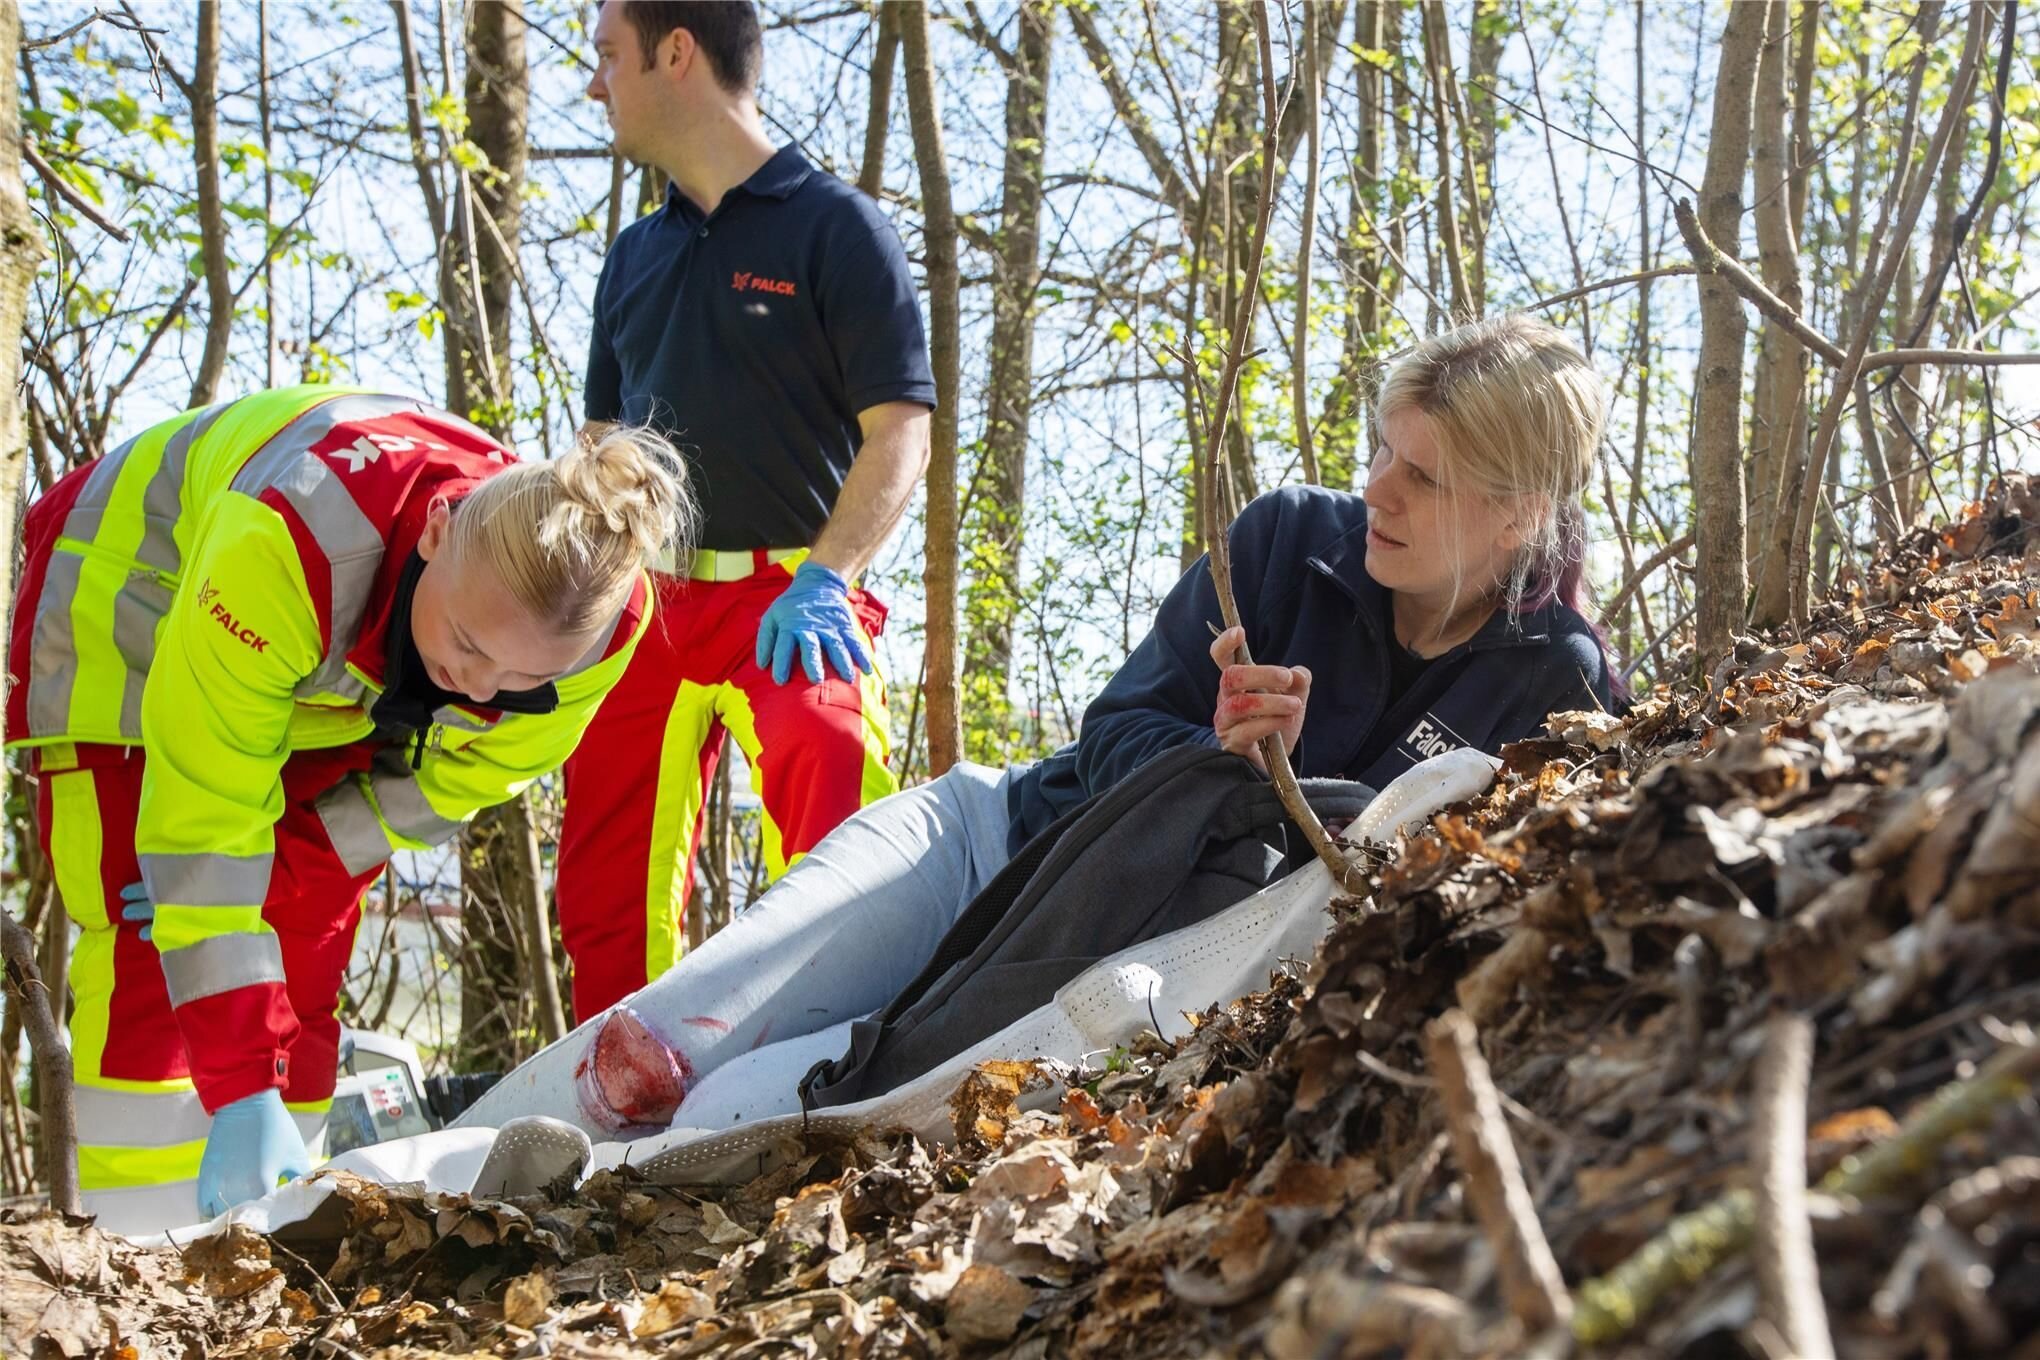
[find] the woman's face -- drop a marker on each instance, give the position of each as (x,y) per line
(473,636)
(1424,540)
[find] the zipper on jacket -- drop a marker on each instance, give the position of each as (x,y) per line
(431,737)
(136,571)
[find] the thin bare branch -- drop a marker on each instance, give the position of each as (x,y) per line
(1501,1199)
(52,1063)
(1788,1280)
(1214,494)
(1710,259)
(1644,570)
(62,189)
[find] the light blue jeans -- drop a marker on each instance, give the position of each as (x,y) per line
(832,941)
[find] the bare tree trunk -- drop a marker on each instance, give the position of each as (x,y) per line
(498,96)
(871,172)
(1361,259)
(1774,587)
(619,174)
(1326,18)
(1828,538)
(21,253)
(1218,258)
(1778,478)
(1718,506)
(1918,183)
(426,166)
(1438,66)
(1639,607)
(1299,359)
(541,965)
(997,510)
(1489,35)
(55,1110)
(1804,68)
(1906,400)
(501,843)
(270,354)
(945,721)
(1239,129)
(1918,306)
(203,93)
(1403,117)
(713,907)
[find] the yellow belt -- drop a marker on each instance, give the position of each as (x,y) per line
(734,564)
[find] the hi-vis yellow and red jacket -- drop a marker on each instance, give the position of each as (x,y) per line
(217,590)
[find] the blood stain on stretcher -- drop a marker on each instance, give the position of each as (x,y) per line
(629,1076)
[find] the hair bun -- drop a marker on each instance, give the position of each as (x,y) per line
(570,536)
(619,481)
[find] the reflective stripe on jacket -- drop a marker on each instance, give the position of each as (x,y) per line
(217,590)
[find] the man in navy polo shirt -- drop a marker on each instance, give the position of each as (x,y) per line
(764,318)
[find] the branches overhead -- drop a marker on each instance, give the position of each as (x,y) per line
(1147,175)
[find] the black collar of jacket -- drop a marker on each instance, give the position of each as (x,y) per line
(409,703)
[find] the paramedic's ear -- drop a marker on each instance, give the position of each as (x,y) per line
(438,523)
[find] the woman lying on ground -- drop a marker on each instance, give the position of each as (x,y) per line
(1439,610)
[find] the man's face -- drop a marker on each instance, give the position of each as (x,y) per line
(639,100)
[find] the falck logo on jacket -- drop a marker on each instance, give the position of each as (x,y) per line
(209,603)
(1431,737)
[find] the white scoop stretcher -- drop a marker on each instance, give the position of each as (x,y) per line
(744,1118)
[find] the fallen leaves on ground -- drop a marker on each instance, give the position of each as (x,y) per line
(1843,821)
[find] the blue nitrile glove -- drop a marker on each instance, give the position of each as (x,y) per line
(814,615)
(139,908)
(254,1145)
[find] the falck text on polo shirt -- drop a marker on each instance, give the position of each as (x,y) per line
(209,601)
(1430,737)
(744,281)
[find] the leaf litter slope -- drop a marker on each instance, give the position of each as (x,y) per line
(1843,822)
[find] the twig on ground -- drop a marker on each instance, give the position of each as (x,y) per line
(1692,1245)
(1494,1178)
(1788,1279)
(57,1114)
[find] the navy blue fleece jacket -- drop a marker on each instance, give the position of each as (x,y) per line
(1300,580)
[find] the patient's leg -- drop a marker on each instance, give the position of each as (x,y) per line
(762,1083)
(835,939)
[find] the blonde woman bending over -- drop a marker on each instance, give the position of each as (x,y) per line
(258,649)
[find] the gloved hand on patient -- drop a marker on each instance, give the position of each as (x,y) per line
(254,1146)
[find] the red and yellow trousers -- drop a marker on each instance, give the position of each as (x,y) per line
(141,1126)
(637,785)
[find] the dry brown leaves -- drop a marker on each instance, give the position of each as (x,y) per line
(1846,822)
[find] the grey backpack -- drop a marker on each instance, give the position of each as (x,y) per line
(1185,836)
